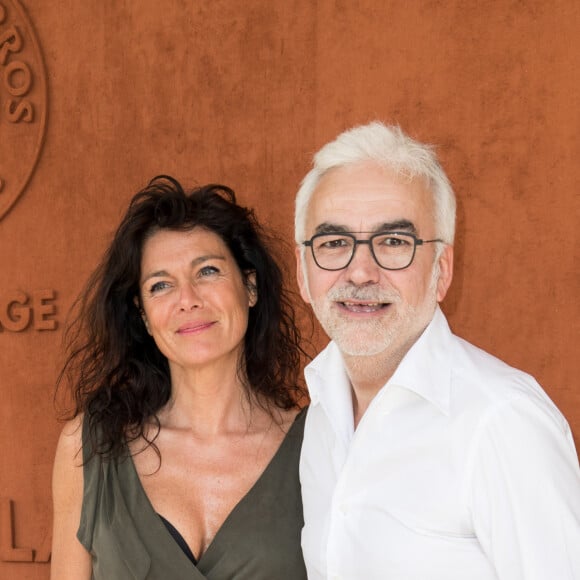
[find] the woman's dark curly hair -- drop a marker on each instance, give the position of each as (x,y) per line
(119,378)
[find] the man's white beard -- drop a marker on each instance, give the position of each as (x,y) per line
(397,330)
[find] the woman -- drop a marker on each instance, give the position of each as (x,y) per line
(183,360)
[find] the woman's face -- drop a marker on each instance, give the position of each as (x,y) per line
(195,299)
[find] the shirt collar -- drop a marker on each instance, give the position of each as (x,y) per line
(329,386)
(425,370)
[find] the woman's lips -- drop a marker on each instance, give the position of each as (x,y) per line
(193,327)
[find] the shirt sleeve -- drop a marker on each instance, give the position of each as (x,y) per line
(524,492)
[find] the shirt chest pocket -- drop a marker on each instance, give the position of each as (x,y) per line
(407,474)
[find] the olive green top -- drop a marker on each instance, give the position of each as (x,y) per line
(260,539)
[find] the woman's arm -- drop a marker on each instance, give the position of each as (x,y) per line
(69,560)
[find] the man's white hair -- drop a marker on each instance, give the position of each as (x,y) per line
(389,147)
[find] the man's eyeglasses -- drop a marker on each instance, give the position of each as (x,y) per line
(391,250)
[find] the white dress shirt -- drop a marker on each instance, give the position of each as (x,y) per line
(460,469)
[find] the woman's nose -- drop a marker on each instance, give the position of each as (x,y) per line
(190,297)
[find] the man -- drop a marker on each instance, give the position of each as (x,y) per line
(424,457)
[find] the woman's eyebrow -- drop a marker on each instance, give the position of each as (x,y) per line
(195,262)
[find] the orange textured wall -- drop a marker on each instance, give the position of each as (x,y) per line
(98,96)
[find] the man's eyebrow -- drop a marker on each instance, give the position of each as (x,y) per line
(329,228)
(398,226)
(394,226)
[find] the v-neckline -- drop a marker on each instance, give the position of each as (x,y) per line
(231,515)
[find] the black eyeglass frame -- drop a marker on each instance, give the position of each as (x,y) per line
(416,242)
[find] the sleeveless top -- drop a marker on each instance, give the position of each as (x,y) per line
(259,540)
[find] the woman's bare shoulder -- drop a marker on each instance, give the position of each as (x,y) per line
(70,441)
(69,558)
(67,475)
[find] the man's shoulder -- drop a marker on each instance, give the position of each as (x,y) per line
(481,379)
(472,375)
(469,359)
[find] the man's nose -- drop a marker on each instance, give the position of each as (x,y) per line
(363,268)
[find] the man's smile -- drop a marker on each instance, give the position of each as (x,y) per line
(364,307)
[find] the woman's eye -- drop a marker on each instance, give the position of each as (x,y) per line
(208,271)
(158,286)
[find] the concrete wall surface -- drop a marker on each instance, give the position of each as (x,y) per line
(98,96)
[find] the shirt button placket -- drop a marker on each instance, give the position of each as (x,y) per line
(338,512)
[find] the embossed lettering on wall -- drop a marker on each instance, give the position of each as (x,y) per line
(20,310)
(8,551)
(22,102)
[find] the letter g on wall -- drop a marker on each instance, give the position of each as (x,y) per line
(23,102)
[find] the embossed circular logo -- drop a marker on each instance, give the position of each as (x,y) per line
(23,102)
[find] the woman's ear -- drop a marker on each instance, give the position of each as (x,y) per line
(137,303)
(252,288)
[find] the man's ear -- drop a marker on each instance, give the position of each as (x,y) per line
(252,288)
(445,272)
(301,275)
